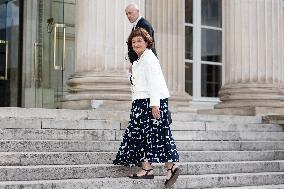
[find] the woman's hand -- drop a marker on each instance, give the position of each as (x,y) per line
(156,112)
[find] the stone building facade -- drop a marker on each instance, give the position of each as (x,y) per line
(223,54)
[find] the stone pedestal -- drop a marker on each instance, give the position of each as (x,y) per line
(274,119)
(253,62)
(101,70)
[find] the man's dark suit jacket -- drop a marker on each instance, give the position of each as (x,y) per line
(142,23)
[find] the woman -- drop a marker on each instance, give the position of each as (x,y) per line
(148,137)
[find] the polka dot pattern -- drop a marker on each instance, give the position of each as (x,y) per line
(147,139)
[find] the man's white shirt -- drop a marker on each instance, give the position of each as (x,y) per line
(135,23)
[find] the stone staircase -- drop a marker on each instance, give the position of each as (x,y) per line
(69,149)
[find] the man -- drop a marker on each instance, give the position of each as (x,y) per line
(133,15)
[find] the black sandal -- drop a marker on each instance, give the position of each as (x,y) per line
(146,176)
(175,173)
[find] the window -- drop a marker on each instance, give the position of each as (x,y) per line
(188,46)
(203,48)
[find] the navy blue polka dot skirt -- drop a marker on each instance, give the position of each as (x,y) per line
(147,139)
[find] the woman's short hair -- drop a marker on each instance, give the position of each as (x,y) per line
(144,34)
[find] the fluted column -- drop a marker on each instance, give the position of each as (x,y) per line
(101,71)
(254,62)
(167,18)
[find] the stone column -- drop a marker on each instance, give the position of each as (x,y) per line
(253,62)
(101,70)
(167,18)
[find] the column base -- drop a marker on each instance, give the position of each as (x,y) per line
(98,90)
(116,102)
(103,105)
(249,99)
(180,102)
(108,91)
(274,119)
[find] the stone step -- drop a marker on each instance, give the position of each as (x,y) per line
(78,158)
(59,172)
(99,135)
(112,146)
(57,134)
(184,182)
(181,116)
(280,186)
(35,123)
(220,126)
(12,112)
(15,112)
(221,135)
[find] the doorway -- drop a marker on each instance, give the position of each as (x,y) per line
(49,51)
(10,67)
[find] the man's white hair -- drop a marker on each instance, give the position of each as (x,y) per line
(133,5)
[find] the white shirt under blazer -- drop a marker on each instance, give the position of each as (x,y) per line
(148,80)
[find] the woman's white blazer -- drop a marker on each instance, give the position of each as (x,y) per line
(148,80)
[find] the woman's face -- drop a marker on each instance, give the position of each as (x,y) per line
(139,45)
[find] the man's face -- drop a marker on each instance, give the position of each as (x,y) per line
(132,14)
